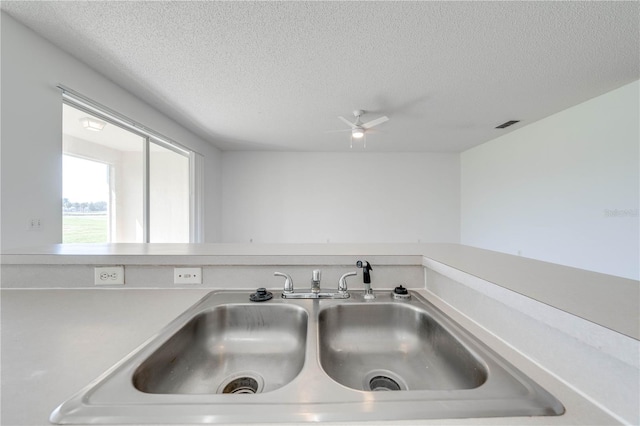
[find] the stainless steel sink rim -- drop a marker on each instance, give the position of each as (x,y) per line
(312,395)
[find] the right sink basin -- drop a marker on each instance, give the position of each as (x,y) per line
(394,347)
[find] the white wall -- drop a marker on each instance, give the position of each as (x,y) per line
(546,190)
(340,197)
(31,183)
(564,189)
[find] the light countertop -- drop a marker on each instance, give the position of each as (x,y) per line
(55,342)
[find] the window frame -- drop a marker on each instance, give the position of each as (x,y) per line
(196,229)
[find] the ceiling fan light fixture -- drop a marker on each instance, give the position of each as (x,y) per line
(92,124)
(357,133)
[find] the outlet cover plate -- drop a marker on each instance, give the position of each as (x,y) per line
(187,275)
(108,275)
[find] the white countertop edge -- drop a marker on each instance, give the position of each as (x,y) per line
(616,319)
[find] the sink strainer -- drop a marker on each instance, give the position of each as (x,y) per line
(242,383)
(383,380)
(383,383)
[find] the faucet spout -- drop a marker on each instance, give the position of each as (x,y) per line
(315,281)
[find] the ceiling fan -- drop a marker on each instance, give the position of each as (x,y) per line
(358,128)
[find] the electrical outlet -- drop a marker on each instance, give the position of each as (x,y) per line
(34,224)
(187,275)
(108,275)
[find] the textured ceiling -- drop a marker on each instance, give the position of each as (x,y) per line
(275,75)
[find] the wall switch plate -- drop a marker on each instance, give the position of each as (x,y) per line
(108,275)
(187,275)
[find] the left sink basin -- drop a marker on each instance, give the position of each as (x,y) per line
(228,349)
(219,355)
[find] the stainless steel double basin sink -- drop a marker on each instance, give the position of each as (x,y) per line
(229,360)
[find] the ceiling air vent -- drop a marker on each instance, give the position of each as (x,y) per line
(507,124)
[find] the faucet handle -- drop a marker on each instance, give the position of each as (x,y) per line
(342,283)
(288,282)
(315,275)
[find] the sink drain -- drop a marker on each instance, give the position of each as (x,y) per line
(383,380)
(383,383)
(242,383)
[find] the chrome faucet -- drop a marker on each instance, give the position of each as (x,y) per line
(315,292)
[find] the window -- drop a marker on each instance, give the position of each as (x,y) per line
(168,196)
(123,183)
(85,200)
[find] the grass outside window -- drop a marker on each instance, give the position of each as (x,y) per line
(85,228)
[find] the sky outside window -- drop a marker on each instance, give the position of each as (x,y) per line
(84,180)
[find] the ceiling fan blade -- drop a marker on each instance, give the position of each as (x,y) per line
(338,131)
(347,122)
(375,122)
